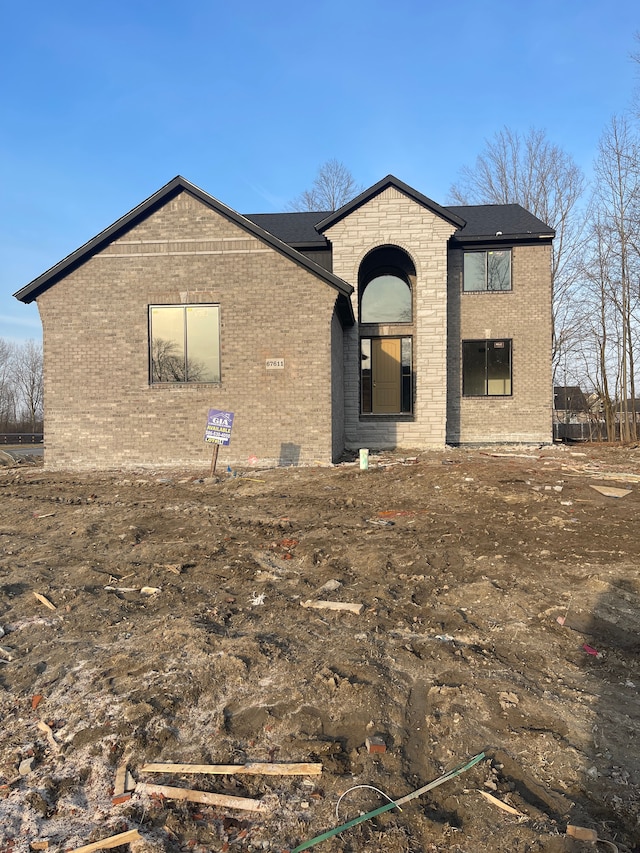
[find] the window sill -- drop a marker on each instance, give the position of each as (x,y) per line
(182,385)
(404,417)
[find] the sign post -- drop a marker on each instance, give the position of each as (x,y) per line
(217,432)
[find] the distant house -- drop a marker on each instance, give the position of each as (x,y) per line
(570,404)
(393,322)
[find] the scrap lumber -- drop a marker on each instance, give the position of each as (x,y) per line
(254,768)
(611,491)
(500,804)
(44,600)
(111,841)
(204,797)
(318,604)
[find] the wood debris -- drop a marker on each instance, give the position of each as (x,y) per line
(500,804)
(582,833)
(6,654)
(203,797)
(318,604)
(145,590)
(111,841)
(254,768)
(44,600)
(121,778)
(611,491)
(48,731)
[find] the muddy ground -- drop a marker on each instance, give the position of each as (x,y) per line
(462,560)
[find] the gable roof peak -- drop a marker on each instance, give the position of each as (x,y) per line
(379,187)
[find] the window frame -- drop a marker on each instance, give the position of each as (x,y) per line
(185,352)
(506,342)
(486,252)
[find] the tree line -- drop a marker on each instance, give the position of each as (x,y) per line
(21,390)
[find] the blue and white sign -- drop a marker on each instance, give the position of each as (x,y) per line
(219,425)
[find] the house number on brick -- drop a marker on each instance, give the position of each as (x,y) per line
(275,364)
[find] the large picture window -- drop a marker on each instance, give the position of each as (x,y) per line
(184,343)
(487,270)
(385,376)
(486,368)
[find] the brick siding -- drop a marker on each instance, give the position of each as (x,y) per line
(100,408)
(523,315)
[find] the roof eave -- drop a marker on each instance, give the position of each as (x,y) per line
(461,239)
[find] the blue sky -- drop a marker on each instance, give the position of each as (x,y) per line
(102,103)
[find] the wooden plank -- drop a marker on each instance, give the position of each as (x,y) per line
(43,600)
(611,491)
(204,797)
(500,804)
(318,604)
(254,768)
(111,841)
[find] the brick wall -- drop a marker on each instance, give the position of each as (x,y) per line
(391,218)
(522,315)
(100,409)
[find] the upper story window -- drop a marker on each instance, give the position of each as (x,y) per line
(184,343)
(386,279)
(386,299)
(489,269)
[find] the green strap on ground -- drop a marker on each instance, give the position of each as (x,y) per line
(451,774)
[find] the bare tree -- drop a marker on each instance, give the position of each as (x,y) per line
(531,171)
(616,222)
(7,388)
(333,186)
(27,374)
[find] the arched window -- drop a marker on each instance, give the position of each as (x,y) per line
(386,281)
(386,299)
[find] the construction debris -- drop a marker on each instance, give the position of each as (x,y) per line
(44,600)
(611,491)
(318,604)
(500,804)
(107,843)
(375,744)
(47,730)
(252,769)
(204,797)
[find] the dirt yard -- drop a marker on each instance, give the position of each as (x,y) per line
(500,613)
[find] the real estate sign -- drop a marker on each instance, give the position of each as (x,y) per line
(219,425)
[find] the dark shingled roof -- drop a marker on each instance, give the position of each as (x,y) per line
(296,229)
(509,221)
(569,397)
(478,222)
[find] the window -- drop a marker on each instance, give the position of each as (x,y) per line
(385,376)
(486,368)
(386,299)
(488,270)
(185,343)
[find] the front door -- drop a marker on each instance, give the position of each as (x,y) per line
(386,374)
